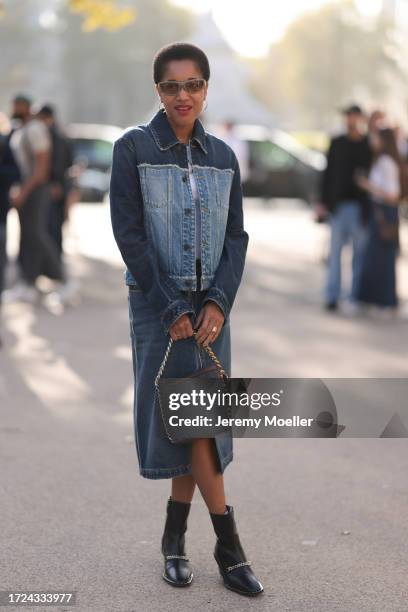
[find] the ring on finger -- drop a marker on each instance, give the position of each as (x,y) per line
(207,337)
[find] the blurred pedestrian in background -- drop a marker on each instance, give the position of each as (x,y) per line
(346,203)
(9,174)
(64,193)
(31,146)
(384,186)
(61,182)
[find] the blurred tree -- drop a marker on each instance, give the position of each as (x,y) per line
(19,33)
(103,14)
(108,75)
(96,76)
(108,14)
(327,57)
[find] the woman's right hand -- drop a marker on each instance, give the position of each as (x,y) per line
(181,328)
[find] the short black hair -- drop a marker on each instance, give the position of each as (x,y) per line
(179,51)
(47,111)
(352,109)
(23,98)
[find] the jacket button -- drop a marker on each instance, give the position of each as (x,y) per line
(186,247)
(184,179)
(188,211)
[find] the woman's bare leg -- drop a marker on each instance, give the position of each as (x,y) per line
(205,472)
(182,488)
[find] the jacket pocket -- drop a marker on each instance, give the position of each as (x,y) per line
(223,182)
(155,182)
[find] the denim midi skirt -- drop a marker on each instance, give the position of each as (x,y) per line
(157,456)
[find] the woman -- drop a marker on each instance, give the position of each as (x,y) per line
(384,185)
(176,210)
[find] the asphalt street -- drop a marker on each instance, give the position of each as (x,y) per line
(324,522)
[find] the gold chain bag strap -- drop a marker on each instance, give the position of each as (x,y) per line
(212,378)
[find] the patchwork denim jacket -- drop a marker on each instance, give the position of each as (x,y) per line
(154,219)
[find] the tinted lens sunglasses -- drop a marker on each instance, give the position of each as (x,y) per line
(172,88)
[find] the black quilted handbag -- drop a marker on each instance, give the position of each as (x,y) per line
(211,379)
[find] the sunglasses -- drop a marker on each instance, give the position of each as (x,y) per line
(172,88)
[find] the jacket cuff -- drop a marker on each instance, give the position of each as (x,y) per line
(218,296)
(173,312)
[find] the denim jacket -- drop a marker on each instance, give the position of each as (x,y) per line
(154,219)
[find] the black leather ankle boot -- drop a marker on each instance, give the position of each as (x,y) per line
(232,563)
(177,571)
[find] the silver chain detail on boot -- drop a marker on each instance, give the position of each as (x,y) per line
(231,567)
(177,557)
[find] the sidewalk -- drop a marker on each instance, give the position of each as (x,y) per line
(76,515)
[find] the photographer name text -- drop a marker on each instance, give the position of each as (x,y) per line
(268,421)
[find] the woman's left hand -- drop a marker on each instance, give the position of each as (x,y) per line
(363,183)
(210,318)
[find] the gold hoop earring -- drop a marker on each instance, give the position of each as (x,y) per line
(161,105)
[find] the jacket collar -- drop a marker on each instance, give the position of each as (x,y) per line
(164,135)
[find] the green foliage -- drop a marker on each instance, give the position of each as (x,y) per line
(102,75)
(103,14)
(110,74)
(107,14)
(325,58)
